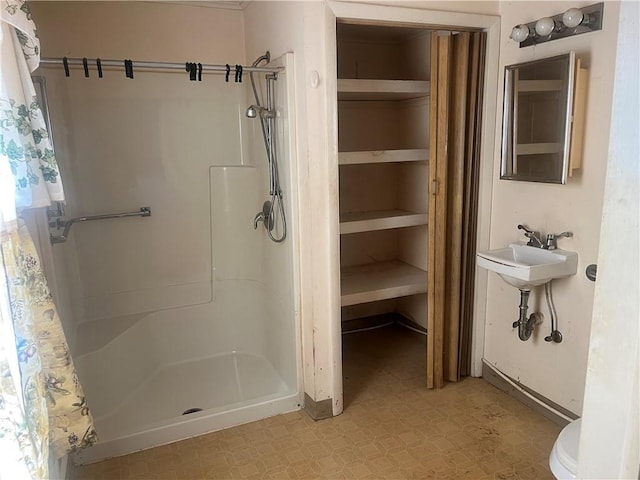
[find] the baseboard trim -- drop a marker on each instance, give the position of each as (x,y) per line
(500,383)
(318,410)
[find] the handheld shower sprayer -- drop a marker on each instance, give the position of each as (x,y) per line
(274,208)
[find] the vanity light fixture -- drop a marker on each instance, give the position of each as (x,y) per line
(573,17)
(520,33)
(546,26)
(572,22)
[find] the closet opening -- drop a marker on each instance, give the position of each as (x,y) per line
(398,277)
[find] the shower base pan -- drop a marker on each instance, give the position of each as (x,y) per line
(221,392)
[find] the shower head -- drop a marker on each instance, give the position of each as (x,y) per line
(253,110)
(256,110)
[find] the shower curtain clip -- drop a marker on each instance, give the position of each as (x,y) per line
(65,63)
(238,78)
(191,68)
(199,72)
(99,65)
(128,68)
(226,75)
(85,65)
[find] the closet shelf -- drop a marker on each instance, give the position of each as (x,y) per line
(357,89)
(380,281)
(380,220)
(383,156)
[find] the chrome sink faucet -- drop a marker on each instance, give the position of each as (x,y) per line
(534,237)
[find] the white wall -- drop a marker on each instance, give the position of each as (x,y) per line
(557,371)
(609,438)
(298,27)
(139,30)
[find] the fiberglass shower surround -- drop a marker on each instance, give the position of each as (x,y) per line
(273,210)
(199,317)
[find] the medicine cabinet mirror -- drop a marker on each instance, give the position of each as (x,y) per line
(542,119)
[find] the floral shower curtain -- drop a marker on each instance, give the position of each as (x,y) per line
(42,407)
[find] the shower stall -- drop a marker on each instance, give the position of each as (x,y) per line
(185,321)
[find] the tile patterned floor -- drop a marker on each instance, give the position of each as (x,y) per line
(392,428)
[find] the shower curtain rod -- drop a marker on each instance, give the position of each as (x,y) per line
(153,65)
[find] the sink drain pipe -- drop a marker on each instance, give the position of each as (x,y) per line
(526,325)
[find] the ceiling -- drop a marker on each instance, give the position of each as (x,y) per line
(225,4)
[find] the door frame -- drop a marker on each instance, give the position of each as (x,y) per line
(391,15)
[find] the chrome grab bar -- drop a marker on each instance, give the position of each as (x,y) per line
(67,224)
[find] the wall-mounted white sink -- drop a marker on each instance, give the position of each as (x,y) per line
(525,267)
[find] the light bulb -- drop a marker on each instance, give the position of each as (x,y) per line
(572,17)
(520,33)
(545,26)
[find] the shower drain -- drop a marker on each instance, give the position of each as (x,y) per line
(191,410)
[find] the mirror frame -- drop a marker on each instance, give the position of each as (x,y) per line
(509,117)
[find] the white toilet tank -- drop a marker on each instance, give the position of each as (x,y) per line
(563,459)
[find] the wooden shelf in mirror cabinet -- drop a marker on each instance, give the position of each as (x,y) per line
(538,148)
(540,85)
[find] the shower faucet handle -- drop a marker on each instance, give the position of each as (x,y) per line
(258,218)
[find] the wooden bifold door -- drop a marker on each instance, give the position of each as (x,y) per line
(455,117)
